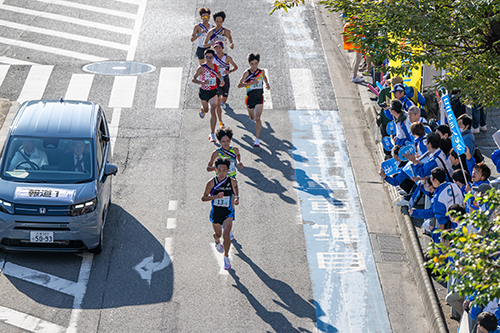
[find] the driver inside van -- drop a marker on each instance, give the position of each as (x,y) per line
(28,157)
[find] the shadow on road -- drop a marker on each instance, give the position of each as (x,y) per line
(114,282)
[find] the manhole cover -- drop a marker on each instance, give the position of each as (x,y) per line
(392,257)
(390,243)
(119,68)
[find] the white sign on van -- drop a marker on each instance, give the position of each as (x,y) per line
(45,193)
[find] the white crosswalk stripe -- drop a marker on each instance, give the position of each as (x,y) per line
(3,72)
(79,87)
(303,89)
(35,84)
(122,93)
(169,88)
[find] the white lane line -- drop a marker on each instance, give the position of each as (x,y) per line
(53,50)
(83,280)
(35,83)
(3,72)
(10,61)
(67,19)
(113,127)
(300,43)
(122,93)
(27,322)
(42,279)
(171,223)
(303,89)
(220,258)
(90,8)
(294,31)
(169,88)
(268,101)
(134,40)
(65,35)
(132,2)
(173,204)
(297,55)
(79,87)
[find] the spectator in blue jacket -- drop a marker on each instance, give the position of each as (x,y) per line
(467,161)
(415,115)
(445,195)
(401,179)
(434,158)
(458,178)
(403,124)
(465,123)
(400,94)
(418,133)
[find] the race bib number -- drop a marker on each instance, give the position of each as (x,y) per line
(222,71)
(211,82)
(222,202)
(232,167)
(258,85)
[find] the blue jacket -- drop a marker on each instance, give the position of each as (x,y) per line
(495,158)
(470,141)
(407,103)
(420,147)
(403,132)
(397,179)
(444,196)
(424,170)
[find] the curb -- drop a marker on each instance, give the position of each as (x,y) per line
(425,287)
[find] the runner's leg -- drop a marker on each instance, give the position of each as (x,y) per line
(213,117)
(258,124)
(219,109)
(227,225)
(204,105)
(217,232)
(251,113)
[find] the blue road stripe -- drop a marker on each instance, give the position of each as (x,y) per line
(346,287)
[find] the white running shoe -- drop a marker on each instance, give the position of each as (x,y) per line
(219,247)
(483,128)
(227,263)
(223,105)
(231,236)
(256,143)
(357,79)
(211,137)
(476,130)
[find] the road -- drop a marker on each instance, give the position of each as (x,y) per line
(159,270)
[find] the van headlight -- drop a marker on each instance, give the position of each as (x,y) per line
(83,208)
(6,207)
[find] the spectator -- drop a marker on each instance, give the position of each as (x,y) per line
(402,123)
(487,322)
(443,198)
(436,158)
(401,179)
(400,94)
(480,174)
(465,122)
(478,119)
(415,114)
(418,132)
(467,161)
(443,131)
(382,118)
(475,311)
(458,178)
(495,158)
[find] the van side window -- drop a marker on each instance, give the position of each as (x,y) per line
(100,147)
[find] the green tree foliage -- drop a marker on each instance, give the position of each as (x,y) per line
(461,37)
(472,257)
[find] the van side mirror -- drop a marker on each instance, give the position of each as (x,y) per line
(110,170)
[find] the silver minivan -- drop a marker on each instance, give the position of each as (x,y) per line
(55,178)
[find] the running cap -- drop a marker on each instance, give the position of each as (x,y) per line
(398,87)
(219,43)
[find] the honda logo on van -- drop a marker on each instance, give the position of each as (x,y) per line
(42,210)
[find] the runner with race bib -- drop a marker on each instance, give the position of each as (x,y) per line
(224,62)
(253,80)
(218,33)
(206,75)
(200,32)
(223,191)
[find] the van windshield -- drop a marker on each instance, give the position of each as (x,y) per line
(48,160)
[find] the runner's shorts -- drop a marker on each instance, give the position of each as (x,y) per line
(219,217)
(223,91)
(254,97)
(200,52)
(207,95)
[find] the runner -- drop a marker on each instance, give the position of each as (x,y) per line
(253,79)
(224,136)
(224,194)
(200,32)
(218,32)
(208,72)
(223,61)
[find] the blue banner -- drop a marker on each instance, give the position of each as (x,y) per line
(457,139)
(406,150)
(390,167)
(391,128)
(408,169)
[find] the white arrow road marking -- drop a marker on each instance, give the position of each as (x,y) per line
(27,322)
(147,267)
